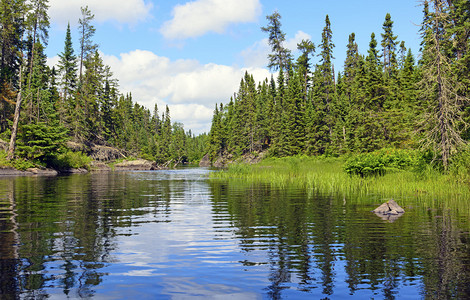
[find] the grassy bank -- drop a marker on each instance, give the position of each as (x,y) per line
(328,175)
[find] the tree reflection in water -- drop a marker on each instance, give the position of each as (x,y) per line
(64,234)
(318,239)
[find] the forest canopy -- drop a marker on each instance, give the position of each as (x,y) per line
(385,96)
(43,108)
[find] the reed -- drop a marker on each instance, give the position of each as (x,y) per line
(326,175)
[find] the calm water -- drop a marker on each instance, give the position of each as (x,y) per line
(178,235)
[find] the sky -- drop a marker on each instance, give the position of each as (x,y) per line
(190,55)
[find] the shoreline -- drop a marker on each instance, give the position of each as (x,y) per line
(95,167)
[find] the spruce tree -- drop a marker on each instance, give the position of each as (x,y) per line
(389,46)
(292,139)
(324,94)
(307,48)
(281,57)
(86,31)
(38,25)
(67,67)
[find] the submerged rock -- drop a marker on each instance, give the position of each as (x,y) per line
(389,211)
(389,208)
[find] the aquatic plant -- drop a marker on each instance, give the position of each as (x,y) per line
(327,175)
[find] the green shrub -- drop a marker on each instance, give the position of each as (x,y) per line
(18,163)
(460,165)
(71,160)
(381,161)
(41,141)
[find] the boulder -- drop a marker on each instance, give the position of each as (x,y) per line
(395,207)
(42,172)
(98,166)
(105,153)
(12,172)
(73,171)
(205,161)
(389,208)
(138,164)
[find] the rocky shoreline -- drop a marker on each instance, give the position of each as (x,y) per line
(224,160)
(96,166)
(104,160)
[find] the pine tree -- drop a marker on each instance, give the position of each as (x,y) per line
(277,112)
(292,139)
(280,58)
(324,94)
(215,135)
(307,48)
(87,31)
(262,117)
(389,45)
(12,27)
(68,69)
(351,62)
(38,23)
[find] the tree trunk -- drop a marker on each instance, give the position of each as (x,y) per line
(16,119)
(14,131)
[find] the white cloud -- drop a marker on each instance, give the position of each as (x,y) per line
(257,54)
(128,11)
(189,88)
(196,18)
(297,39)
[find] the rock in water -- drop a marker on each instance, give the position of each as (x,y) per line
(395,207)
(389,208)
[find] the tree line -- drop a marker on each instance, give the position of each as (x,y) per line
(42,107)
(382,98)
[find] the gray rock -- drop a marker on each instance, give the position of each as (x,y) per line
(395,207)
(42,172)
(389,208)
(382,209)
(138,164)
(205,161)
(12,172)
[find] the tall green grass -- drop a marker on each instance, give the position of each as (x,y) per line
(327,175)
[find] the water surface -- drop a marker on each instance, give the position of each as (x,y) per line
(178,235)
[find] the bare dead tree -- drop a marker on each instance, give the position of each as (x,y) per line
(439,88)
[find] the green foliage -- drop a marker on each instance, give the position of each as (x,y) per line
(460,165)
(326,174)
(381,161)
(71,160)
(41,141)
(18,163)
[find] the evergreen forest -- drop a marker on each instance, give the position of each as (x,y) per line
(385,96)
(44,108)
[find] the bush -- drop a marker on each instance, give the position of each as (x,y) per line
(381,161)
(18,163)
(41,141)
(70,160)
(460,165)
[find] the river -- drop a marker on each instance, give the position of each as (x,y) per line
(177,234)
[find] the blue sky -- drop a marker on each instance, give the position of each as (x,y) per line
(192,54)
